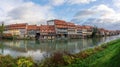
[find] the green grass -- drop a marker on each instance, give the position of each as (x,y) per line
(109,57)
(8,61)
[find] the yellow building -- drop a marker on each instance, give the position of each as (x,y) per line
(17,29)
(15,32)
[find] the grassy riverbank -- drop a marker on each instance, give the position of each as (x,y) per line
(105,55)
(8,61)
(109,57)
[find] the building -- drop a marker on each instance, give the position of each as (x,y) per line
(32,30)
(79,31)
(117,32)
(47,32)
(107,32)
(60,27)
(17,29)
(72,31)
(87,31)
(101,32)
(55,29)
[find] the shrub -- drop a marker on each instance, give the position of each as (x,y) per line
(7,61)
(25,62)
(68,59)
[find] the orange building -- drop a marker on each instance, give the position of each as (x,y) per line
(101,32)
(17,29)
(60,27)
(72,30)
(47,32)
(32,30)
(32,27)
(79,31)
(60,24)
(87,31)
(55,29)
(16,26)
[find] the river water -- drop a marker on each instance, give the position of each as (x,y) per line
(39,49)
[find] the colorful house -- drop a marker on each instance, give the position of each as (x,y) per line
(79,31)
(101,32)
(17,29)
(60,27)
(32,30)
(87,31)
(72,31)
(47,32)
(55,29)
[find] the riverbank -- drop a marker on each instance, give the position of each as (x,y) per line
(105,55)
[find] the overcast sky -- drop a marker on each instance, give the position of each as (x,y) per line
(102,13)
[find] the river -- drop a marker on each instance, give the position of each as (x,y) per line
(39,49)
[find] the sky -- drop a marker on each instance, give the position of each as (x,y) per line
(101,13)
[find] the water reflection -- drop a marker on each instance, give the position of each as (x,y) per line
(38,49)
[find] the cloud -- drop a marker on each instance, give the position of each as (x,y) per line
(30,12)
(101,16)
(103,10)
(8,5)
(22,12)
(116,3)
(80,1)
(84,14)
(57,2)
(70,2)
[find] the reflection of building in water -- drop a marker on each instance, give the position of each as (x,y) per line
(1,48)
(48,46)
(74,45)
(38,48)
(84,43)
(19,44)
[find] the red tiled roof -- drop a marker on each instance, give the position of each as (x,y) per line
(47,29)
(17,26)
(87,27)
(79,27)
(32,27)
(60,24)
(71,25)
(101,29)
(106,30)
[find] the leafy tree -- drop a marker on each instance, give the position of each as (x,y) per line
(1,28)
(95,31)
